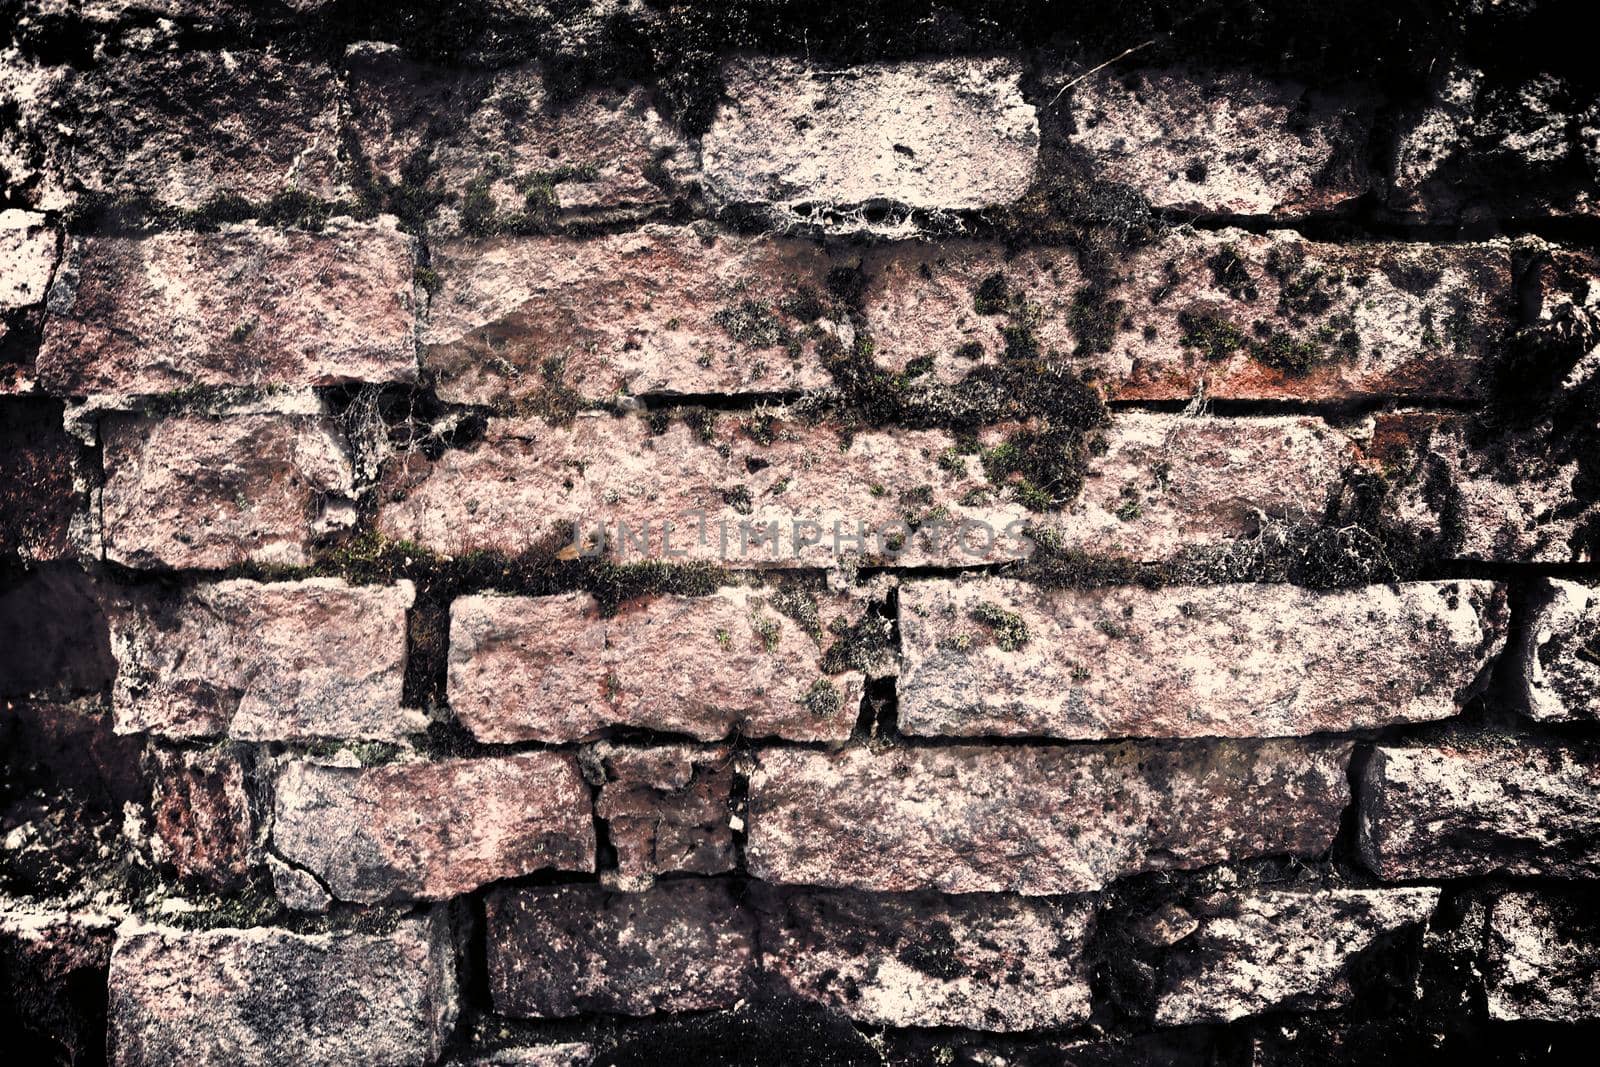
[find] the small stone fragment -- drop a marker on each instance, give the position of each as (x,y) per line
(200,805)
(1558,663)
(668,810)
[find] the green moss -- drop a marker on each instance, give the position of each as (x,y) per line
(428,280)
(1095,317)
(822,699)
(1213,337)
(751,323)
(859,646)
(801,606)
(1230,274)
(768,631)
(1010,631)
(1283,351)
(993,295)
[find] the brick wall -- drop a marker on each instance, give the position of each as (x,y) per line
(586,533)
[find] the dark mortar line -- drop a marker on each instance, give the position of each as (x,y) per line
(1352,407)
(1373,226)
(741,402)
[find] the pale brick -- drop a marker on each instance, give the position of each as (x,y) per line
(979,962)
(1201,311)
(203,493)
(1288,949)
(668,809)
(558,951)
(825,146)
(428,831)
(498,142)
(557,669)
(1541,958)
(1557,674)
(242,306)
(28,253)
(1162,483)
(1000,657)
(279,661)
(661,310)
(1223,142)
(265,996)
(1479,807)
(1036,820)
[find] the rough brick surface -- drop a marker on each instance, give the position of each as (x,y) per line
(1280,949)
(433,830)
(1541,963)
(822,146)
(195,492)
(563,950)
(28,253)
(505,152)
(38,497)
(244,306)
(660,310)
(144,126)
(264,661)
(1233,314)
(1163,482)
(1558,677)
(557,669)
(200,806)
(47,958)
(667,809)
(1035,820)
(1223,142)
(981,962)
(1481,807)
(1000,657)
(264,996)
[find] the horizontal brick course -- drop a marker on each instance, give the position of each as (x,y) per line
(556,669)
(244,306)
(1000,658)
(427,831)
(1036,820)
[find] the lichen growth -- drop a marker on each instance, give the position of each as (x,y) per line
(1010,629)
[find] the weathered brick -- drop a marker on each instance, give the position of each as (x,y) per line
(1279,949)
(660,310)
(204,493)
(28,253)
(1481,148)
(1505,498)
(828,147)
(1036,820)
(1223,142)
(429,831)
(1235,314)
(1162,483)
(1001,657)
(182,129)
(980,962)
(267,996)
(1541,958)
(1556,675)
(200,807)
(257,661)
(1482,806)
(505,151)
(38,498)
(556,951)
(50,964)
(556,668)
(242,306)
(668,809)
